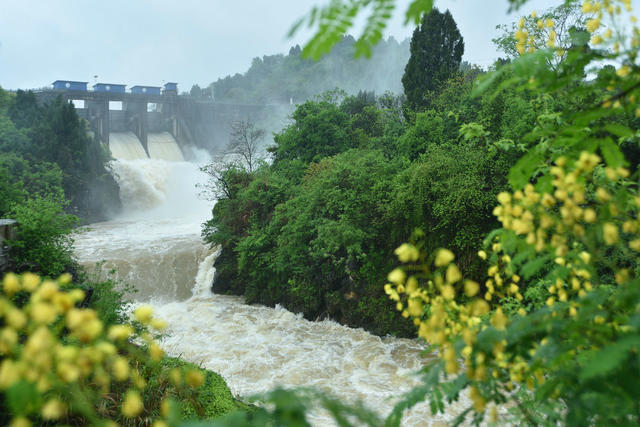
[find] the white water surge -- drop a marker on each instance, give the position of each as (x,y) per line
(156,247)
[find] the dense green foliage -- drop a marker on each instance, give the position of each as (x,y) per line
(44,242)
(548,335)
(54,134)
(50,169)
(436,51)
(349,180)
(280,78)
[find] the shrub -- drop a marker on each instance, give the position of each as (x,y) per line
(59,364)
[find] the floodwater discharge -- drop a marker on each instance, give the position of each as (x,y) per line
(156,247)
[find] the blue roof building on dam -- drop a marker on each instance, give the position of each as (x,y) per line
(109,87)
(69,85)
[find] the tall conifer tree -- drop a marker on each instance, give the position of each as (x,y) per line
(436,51)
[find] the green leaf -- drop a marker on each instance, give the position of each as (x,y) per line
(521,173)
(416,9)
(601,362)
(612,154)
(484,82)
(23,398)
(534,266)
(619,130)
(295,27)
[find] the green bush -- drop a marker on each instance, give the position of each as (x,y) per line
(44,242)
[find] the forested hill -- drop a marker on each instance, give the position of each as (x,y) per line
(279,78)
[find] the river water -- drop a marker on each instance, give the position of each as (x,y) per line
(156,247)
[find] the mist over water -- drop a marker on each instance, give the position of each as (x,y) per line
(155,246)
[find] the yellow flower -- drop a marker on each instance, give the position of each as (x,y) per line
(65,279)
(106,348)
(585,257)
(76,295)
(120,332)
(602,194)
(155,352)
(479,402)
(453,274)
(8,374)
(589,215)
(499,320)
(68,372)
(397,276)
(194,378)
(47,290)
(30,281)
(504,198)
(132,405)
(175,376)
(20,422)
(11,284)
(8,338)
(158,324)
(412,285)
(593,24)
(623,71)
(16,319)
(53,409)
(448,292)
(120,368)
(482,254)
(407,253)
(414,307)
(165,407)
(610,233)
(90,330)
(43,313)
(471,288)
(143,314)
(444,257)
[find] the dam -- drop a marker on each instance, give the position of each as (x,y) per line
(160,119)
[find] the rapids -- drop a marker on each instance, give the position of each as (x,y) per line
(155,246)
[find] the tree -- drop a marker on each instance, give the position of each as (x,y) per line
(436,51)
(559,27)
(245,142)
(196,91)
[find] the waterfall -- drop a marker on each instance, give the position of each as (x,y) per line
(126,146)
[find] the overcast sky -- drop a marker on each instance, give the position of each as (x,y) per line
(150,42)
